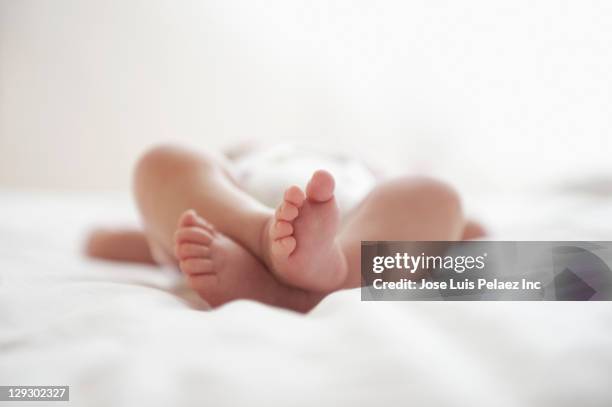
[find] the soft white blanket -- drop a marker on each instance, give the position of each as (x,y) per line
(127,335)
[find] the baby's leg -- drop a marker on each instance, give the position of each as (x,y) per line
(400,209)
(169,180)
(194,210)
(297,242)
(128,245)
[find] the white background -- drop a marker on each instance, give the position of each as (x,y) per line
(504,92)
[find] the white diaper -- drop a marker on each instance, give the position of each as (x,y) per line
(266,173)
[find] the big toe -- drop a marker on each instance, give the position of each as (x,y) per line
(191,218)
(188,218)
(321,186)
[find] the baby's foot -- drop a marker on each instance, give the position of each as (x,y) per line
(220,270)
(300,239)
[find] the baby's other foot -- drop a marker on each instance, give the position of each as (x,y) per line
(220,270)
(300,239)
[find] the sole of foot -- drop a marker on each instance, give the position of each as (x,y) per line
(300,239)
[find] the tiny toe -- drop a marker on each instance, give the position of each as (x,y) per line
(190,250)
(196,266)
(187,218)
(284,246)
(193,234)
(287,211)
(191,218)
(281,229)
(295,196)
(321,186)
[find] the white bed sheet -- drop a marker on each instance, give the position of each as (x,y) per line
(126,335)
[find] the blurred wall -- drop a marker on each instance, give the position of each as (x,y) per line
(507,88)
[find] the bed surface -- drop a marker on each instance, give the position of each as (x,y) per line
(126,335)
